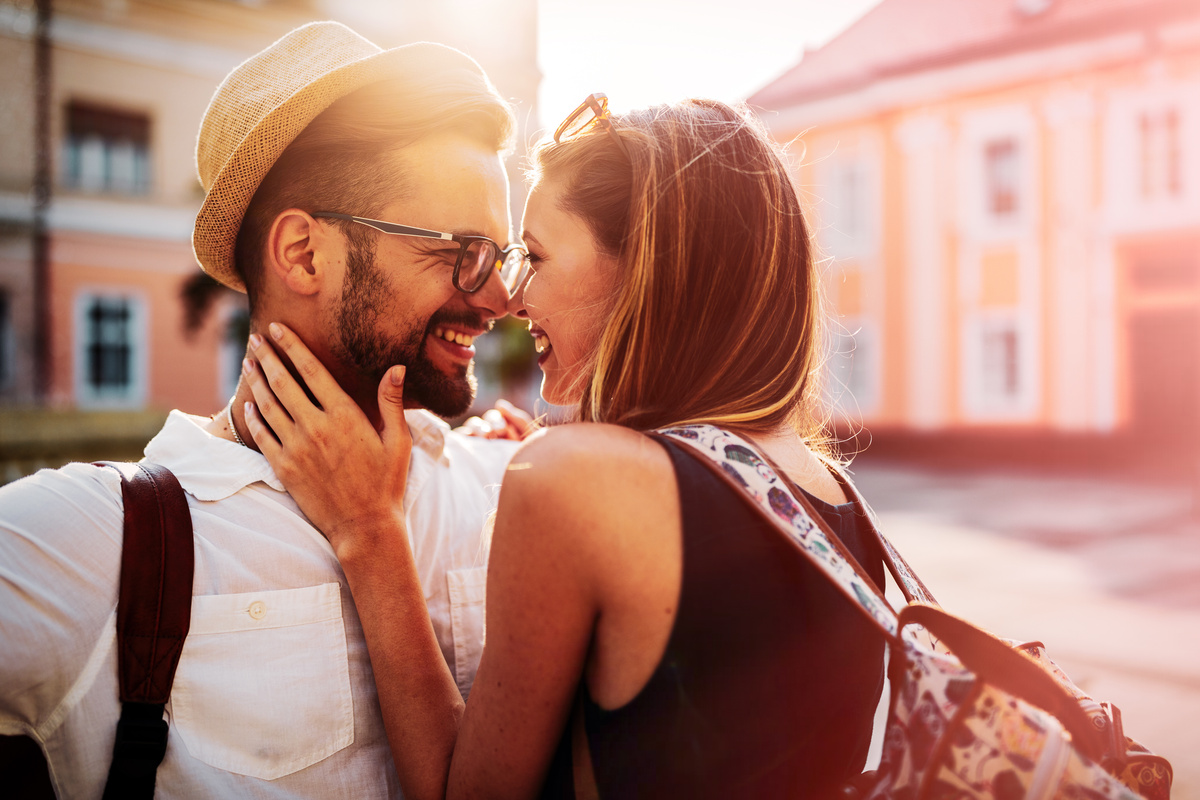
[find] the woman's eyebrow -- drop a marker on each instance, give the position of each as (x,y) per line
(528,237)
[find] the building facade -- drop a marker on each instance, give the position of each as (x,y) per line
(123,321)
(1008,196)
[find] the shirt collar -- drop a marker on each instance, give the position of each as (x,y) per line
(211,468)
(428,433)
(207,466)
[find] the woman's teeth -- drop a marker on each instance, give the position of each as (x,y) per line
(456,337)
(541,343)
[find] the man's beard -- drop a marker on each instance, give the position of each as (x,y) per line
(367,298)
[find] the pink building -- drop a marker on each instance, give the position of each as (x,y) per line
(1008,193)
(128,84)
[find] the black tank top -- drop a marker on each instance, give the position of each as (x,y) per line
(770,679)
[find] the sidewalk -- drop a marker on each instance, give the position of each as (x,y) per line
(1106,572)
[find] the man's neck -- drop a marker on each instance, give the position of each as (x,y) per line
(220,424)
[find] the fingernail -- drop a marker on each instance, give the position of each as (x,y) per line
(247,366)
(397,376)
(276,331)
(247,409)
(255,341)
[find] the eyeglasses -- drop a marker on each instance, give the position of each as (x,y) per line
(477,256)
(592,111)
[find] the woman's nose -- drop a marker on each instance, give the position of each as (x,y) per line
(516,300)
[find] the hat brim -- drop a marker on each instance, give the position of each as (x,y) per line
(214,236)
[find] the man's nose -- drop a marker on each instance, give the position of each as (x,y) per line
(492,300)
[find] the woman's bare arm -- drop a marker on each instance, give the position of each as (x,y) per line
(581,512)
(349,480)
(588,521)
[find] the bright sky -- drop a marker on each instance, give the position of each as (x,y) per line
(641,52)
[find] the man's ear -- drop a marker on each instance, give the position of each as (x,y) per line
(298,251)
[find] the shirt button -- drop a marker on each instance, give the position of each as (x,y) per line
(258,610)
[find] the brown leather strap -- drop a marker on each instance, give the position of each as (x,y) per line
(581,753)
(154,611)
(155,604)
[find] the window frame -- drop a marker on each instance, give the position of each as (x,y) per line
(126,133)
(133,394)
(854,372)
(1130,203)
(981,129)
(861,159)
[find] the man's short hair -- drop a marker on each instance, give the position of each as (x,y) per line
(338,162)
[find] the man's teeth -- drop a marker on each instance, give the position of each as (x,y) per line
(541,343)
(457,337)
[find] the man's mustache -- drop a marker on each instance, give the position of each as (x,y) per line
(460,319)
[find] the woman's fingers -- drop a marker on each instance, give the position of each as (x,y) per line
(270,409)
(308,367)
(393,427)
(505,421)
(517,423)
(285,390)
(475,426)
(268,445)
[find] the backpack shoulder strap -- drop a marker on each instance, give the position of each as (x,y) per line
(911,586)
(739,465)
(153,615)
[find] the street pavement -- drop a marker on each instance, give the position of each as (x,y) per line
(1104,569)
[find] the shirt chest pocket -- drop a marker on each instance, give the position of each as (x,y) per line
(263,684)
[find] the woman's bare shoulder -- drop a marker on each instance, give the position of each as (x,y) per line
(592,447)
(588,470)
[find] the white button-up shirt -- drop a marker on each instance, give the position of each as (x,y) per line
(274,695)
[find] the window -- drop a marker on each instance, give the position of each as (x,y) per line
(109,345)
(106,150)
(1001,176)
(1159,146)
(850,191)
(852,369)
(1000,354)
(109,350)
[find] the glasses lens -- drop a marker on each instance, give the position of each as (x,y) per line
(582,118)
(594,107)
(516,267)
(478,261)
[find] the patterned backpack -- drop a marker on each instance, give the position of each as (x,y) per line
(971,716)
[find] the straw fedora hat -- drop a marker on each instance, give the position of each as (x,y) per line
(266,102)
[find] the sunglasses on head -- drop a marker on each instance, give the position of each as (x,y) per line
(592,111)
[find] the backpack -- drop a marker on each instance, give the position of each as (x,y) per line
(153,616)
(971,715)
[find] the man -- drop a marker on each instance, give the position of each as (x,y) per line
(274,695)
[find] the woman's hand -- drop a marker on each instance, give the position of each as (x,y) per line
(505,421)
(345,475)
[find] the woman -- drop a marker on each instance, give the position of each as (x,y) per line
(670,282)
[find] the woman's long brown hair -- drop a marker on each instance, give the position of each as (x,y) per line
(715,318)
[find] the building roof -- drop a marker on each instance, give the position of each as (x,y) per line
(907,36)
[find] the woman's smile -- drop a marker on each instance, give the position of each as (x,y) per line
(541,342)
(567,295)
